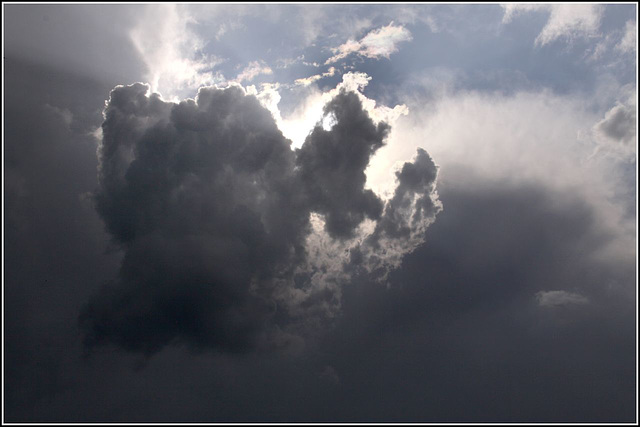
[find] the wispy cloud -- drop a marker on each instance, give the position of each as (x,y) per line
(172,52)
(629,40)
(377,43)
(253,70)
(308,80)
(565,20)
(559,298)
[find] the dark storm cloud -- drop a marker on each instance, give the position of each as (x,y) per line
(90,39)
(201,196)
(459,332)
(55,246)
(401,227)
(332,164)
(457,335)
(415,180)
(211,207)
(509,312)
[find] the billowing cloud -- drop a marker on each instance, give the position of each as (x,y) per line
(220,219)
(184,190)
(565,20)
(297,125)
(411,209)
(559,298)
(332,163)
(381,42)
(538,204)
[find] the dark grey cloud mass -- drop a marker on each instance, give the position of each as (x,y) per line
(57,246)
(459,334)
(414,179)
(214,274)
(201,196)
(332,164)
(211,207)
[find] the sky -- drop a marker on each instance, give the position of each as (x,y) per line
(320,212)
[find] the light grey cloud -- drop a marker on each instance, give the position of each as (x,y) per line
(629,40)
(619,124)
(172,51)
(251,71)
(566,21)
(306,81)
(381,42)
(559,298)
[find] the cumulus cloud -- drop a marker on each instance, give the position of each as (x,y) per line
(619,124)
(616,132)
(297,124)
(559,299)
(565,20)
(229,235)
(332,164)
(381,42)
(183,188)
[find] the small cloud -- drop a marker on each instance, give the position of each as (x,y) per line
(97,133)
(65,115)
(227,27)
(377,43)
(254,69)
(288,62)
(565,20)
(628,41)
(559,299)
(619,124)
(616,133)
(330,374)
(308,80)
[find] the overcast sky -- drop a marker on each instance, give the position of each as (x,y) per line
(320,212)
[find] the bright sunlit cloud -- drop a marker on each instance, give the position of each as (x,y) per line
(172,52)
(565,20)
(381,42)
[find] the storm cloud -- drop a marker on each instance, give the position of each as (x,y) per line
(440,227)
(212,209)
(332,164)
